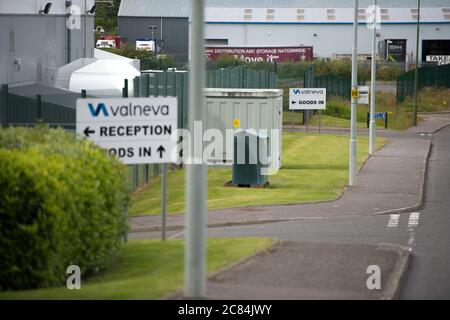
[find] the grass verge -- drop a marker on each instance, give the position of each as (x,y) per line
(315,168)
(326,121)
(400,117)
(149,269)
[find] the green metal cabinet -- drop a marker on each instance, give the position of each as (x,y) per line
(250,158)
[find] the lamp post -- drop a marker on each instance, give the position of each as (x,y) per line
(352,149)
(153,28)
(196,184)
(416,72)
(372,83)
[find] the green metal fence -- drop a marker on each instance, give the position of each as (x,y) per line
(19,110)
(337,86)
(170,83)
(27,111)
(430,76)
(165,84)
(241,77)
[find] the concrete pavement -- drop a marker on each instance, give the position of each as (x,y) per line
(390,181)
(308,270)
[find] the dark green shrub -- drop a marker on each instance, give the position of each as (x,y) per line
(149,60)
(62,202)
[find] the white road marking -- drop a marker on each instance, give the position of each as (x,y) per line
(412,240)
(413,220)
(393,221)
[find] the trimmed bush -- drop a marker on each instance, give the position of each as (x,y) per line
(62,202)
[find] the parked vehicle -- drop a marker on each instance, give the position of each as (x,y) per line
(108,42)
(153,45)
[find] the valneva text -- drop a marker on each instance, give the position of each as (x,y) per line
(128,110)
(308,91)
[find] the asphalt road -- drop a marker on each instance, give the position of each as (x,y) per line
(426,232)
(429,273)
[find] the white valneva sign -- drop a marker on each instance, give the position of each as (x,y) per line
(307,98)
(136,130)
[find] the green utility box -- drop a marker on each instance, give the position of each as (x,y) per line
(250,163)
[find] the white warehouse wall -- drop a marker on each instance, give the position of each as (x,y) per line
(330,39)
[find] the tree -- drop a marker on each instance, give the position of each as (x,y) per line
(106,16)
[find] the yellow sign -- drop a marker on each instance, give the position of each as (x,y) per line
(355,93)
(236,123)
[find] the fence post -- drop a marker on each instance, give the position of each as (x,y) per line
(4,105)
(136,89)
(386,121)
(125,89)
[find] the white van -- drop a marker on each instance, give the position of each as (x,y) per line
(147,45)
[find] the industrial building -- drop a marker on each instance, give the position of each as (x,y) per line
(324,25)
(39,36)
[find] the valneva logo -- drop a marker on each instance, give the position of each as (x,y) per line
(96,111)
(129,110)
(308,91)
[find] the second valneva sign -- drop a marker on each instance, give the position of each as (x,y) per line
(307,98)
(136,130)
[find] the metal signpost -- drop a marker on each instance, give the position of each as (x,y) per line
(136,130)
(308,99)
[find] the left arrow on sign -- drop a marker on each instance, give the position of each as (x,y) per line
(293,102)
(87,132)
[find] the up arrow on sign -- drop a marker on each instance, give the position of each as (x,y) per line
(161,151)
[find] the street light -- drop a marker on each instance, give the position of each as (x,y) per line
(152,28)
(196,183)
(372,82)
(388,42)
(352,149)
(99,29)
(416,72)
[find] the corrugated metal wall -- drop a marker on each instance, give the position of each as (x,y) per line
(174,32)
(40,43)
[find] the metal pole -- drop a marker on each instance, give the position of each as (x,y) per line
(320,121)
(307,120)
(416,72)
(352,155)
(196,186)
(163,201)
(292,119)
(85,30)
(372,123)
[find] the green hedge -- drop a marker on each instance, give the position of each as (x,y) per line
(63,202)
(296,70)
